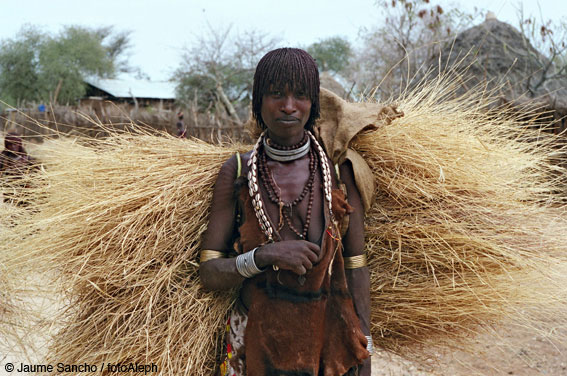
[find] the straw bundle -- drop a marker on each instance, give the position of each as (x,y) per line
(6,295)
(467,221)
(464,223)
(120,220)
(10,315)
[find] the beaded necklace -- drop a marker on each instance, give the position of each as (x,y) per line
(258,158)
(283,153)
(277,146)
(286,208)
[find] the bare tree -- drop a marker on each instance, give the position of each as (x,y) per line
(219,66)
(393,54)
(549,52)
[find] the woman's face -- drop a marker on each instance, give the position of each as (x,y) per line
(285,113)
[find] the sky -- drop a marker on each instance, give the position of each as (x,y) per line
(161,29)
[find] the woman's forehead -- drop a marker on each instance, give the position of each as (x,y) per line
(292,86)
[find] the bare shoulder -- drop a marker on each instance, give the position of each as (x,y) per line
(229,169)
(347,174)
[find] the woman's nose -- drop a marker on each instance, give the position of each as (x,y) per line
(288,105)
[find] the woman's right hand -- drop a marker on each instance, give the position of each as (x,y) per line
(297,256)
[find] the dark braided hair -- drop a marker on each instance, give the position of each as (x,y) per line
(286,67)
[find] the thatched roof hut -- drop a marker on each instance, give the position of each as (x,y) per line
(496,53)
(329,82)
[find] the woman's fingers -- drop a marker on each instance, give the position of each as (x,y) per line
(298,256)
(301,270)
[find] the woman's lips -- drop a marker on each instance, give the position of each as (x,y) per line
(287,120)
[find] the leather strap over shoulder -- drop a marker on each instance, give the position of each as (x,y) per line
(345,221)
(239,164)
(363,178)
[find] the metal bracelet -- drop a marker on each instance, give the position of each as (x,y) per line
(356,262)
(370,345)
(246,266)
(210,254)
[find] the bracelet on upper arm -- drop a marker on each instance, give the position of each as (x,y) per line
(209,254)
(356,262)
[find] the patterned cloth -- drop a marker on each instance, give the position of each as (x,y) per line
(234,363)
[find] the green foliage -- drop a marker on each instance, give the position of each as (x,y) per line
(201,80)
(66,60)
(116,44)
(332,54)
(39,67)
(19,67)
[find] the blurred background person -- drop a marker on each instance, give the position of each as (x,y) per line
(181,130)
(14,163)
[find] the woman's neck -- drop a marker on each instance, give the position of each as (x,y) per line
(286,141)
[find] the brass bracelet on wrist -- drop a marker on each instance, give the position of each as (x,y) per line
(356,262)
(209,254)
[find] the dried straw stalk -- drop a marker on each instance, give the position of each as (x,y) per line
(7,311)
(466,219)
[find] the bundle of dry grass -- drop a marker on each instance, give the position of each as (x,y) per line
(465,220)
(6,296)
(120,219)
(468,223)
(10,315)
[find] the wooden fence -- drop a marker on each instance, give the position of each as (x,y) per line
(34,124)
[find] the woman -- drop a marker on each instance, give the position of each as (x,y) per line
(279,210)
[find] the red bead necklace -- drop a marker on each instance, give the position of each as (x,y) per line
(286,208)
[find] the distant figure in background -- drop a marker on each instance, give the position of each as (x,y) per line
(181,130)
(14,163)
(14,156)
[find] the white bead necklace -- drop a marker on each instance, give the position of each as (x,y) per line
(254,188)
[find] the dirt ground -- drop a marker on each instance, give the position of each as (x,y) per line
(510,351)
(530,355)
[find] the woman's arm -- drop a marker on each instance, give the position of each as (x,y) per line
(358,278)
(297,256)
(221,273)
